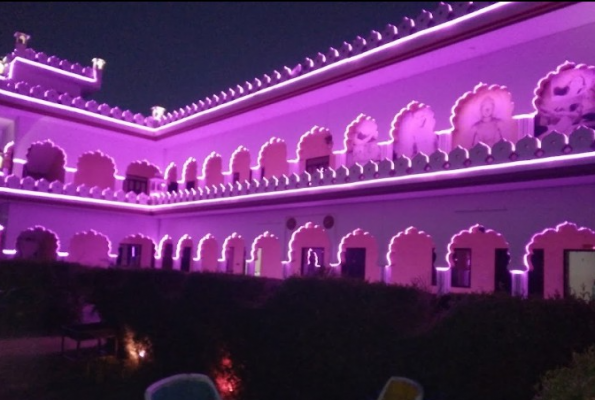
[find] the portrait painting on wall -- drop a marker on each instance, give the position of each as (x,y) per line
(565,99)
(413,131)
(361,140)
(483,116)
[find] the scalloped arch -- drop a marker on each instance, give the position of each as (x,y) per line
(565,99)
(483,115)
(45,160)
(90,248)
(95,168)
(272,158)
(413,130)
(37,244)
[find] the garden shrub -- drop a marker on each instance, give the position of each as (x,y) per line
(573,382)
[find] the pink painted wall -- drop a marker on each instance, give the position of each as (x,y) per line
(172,174)
(436,78)
(144,169)
(317,142)
(191,171)
(213,170)
(66,134)
(483,244)
(554,241)
(410,258)
(240,163)
(273,158)
(271,255)
(89,248)
(208,250)
(95,169)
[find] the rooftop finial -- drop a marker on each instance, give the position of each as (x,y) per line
(98,63)
(21,40)
(158,112)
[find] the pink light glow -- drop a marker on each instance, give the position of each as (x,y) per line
(350,60)
(342,244)
(316,133)
(292,81)
(428,176)
(48,143)
(185,169)
(468,171)
(179,245)
(292,253)
(138,128)
(316,261)
(233,236)
(266,234)
(474,230)
(407,232)
(75,199)
(523,116)
(168,169)
(8,146)
(206,237)
(501,112)
(549,232)
(68,74)
(442,269)
(210,157)
(9,252)
(232,160)
(43,229)
(518,272)
(159,250)
(567,65)
(144,164)
(271,141)
(349,132)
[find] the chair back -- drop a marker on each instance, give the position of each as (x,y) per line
(401,388)
(183,387)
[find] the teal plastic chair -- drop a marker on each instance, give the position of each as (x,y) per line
(401,388)
(183,387)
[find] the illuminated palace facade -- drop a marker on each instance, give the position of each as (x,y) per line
(454,151)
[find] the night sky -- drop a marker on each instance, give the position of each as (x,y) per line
(173,54)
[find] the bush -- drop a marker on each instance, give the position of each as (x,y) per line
(576,381)
(38,298)
(317,338)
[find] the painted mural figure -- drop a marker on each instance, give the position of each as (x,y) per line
(365,144)
(488,129)
(566,101)
(413,131)
(423,120)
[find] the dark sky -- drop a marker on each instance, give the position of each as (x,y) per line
(172,54)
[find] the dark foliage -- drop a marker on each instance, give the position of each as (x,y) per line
(327,337)
(38,298)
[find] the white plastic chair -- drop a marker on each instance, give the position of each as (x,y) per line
(401,388)
(183,387)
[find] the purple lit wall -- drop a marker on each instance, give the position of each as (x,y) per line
(515,188)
